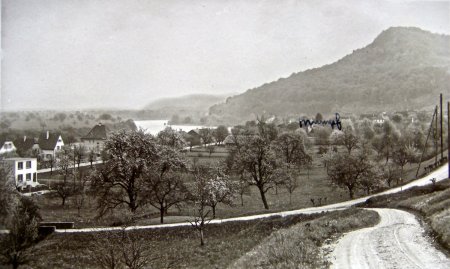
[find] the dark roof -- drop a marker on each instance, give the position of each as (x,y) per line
(194,132)
(25,143)
(48,143)
(99,132)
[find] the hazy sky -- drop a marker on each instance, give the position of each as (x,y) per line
(70,54)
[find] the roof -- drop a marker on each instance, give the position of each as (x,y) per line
(50,143)
(194,132)
(24,144)
(99,132)
(19,159)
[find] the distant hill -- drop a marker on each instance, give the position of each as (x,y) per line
(194,106)
(403,68)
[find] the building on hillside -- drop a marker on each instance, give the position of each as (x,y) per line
(95,140)
(27,147)
(49,145)
(7,146)
(22,171)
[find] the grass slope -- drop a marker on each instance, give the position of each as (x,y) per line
(432,202)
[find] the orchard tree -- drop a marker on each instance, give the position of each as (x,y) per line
(206,136)
(257,159)
(22,223)
(290,146)
(162,180)
(348,139)
(220,133)
(199,196)
(347,170)
(171,138)
(220,190)
(79,154)
(119,181)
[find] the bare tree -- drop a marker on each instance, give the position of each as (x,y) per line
(79,154)
(291,184)
(199,196)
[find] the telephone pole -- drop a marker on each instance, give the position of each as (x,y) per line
(442,144)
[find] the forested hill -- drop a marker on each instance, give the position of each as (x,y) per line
(403,68)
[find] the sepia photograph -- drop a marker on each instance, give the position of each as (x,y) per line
(157,134)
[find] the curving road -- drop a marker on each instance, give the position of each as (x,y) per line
(398,241)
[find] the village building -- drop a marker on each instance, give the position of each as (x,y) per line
(94,141)
(22,171)
(49,145)
(7,146)
(27,147)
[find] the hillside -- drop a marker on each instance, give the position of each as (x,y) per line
(194,106)
(403,68)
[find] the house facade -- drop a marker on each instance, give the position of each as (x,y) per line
(94,141)
(49,145)
(23,171)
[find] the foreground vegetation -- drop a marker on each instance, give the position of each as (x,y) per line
(300,246)
(179,247)
(432,202)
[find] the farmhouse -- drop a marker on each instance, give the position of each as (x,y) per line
(49,145)
(94,141)
(21,170)
(27,147)
(6,146)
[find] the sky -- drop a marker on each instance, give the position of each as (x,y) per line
(85,54)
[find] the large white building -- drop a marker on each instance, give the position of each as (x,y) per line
(23,171)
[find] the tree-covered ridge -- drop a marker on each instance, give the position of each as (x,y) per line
(403,68)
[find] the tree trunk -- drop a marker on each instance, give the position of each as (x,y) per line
(202,241)
(214,211)
(263,197)
(242,199)
(161,214)
(350,192)
(63,201)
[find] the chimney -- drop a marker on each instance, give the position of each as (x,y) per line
(48,134)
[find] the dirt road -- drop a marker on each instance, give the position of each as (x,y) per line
(398,241)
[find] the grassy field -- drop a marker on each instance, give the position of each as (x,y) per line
(432,202)
(180,247)
(300,246)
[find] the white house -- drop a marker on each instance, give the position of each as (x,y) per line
(22,170)
(7,147)
(49,144)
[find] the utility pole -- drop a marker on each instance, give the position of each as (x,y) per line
(436,137)
(442,144)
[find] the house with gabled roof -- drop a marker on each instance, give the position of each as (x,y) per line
(49,145)
(7,146)
(95,140)
(27,146)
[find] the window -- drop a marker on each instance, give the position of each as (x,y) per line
(28,164)
(20,178)
(20,165)
(28,176)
